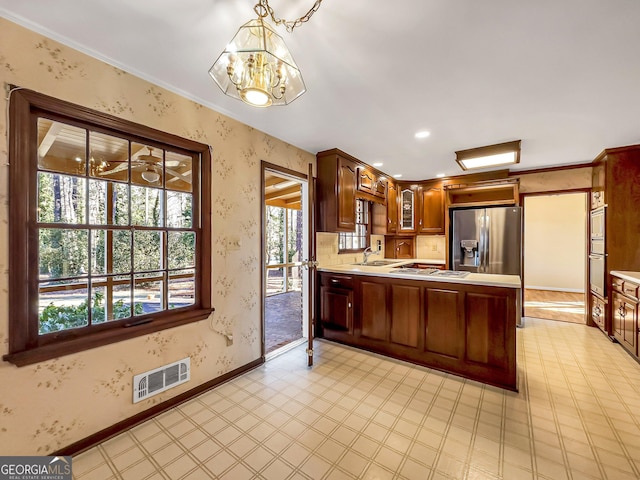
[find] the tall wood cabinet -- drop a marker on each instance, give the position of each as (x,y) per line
(616,192)
(341,180)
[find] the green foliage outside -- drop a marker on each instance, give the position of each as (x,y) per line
(59,317)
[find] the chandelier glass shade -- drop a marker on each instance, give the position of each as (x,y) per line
(257,67)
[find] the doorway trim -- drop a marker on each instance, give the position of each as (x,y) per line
(267,166)
(587,192)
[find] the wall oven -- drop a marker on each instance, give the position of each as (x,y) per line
(597,274)
(597,255)
(597,223)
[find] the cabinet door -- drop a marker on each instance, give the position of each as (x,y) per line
(597,185)
(431,218)
(629,331)
(381,187)
(392,209)
(366,181)
(617,316)
(404,248)
(336,309)
(373,310)
(598,312)
(346,195)
(407,212)
(405,315)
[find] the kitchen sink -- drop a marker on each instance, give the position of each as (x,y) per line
(378,263)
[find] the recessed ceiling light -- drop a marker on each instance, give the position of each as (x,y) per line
(397,175)
(422,134)
(440,175)
(378,164)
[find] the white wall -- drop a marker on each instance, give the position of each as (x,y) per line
(555,241)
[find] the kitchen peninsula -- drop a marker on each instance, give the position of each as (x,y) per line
(465,325)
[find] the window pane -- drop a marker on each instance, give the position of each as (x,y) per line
(147,251)
(98,299)
(179,171)
(275,280)
(146,206)
(61,147)
(120,204)
(118,242)
(97,202)
(182,249)
(109,157)
(60,199)
(182,289)
(146,165)
(148,293)
(179,209)
(63,305)
(63,253)
(121,304)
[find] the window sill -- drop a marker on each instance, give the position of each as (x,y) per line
(105,337)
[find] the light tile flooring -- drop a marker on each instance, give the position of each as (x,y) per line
(358,415)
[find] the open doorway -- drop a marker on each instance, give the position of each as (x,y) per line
(555,255)
(285,233)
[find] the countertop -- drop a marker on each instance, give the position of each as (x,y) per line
(487,279)
(631,276)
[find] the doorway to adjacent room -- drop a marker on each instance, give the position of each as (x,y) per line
(285,243)
(555,233)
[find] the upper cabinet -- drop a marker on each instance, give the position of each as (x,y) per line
(392,207)
(431,212)
(597,185)
(421,208)
(336,189)
(407,214)
(371,183)
(341,179)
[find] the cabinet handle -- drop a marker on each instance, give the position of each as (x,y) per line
(349,305)
(333,280)
(621,311)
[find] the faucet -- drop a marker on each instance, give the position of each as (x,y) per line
(367,253)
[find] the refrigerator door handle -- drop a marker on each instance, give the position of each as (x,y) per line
(487,239)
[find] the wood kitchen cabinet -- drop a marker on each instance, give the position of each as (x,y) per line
(465,329)
(598,311)
(431,208)
(392,207)
(616,194)
(371,182)
(399,247)
(336,192)
(624,313)
(336,306)
(407,209)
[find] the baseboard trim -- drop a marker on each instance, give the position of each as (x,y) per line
(109,432)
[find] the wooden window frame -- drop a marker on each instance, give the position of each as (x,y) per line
(26,346)
(367,206)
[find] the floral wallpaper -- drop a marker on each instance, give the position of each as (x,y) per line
(52,404)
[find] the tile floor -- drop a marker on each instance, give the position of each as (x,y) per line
(357,415)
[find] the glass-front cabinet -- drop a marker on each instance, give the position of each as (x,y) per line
(407,210)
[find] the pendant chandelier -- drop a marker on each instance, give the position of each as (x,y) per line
(256,66)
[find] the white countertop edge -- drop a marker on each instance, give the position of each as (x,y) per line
(630,276)
(485,279)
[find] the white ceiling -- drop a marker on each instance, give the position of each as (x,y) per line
(562,75)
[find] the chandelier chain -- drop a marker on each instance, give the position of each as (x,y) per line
(263,8)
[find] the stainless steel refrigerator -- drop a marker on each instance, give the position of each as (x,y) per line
(487,240)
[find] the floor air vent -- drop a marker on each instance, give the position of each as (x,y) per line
(156,381)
